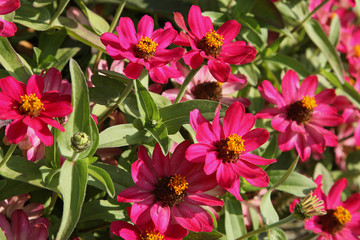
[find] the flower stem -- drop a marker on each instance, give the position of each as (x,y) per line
(8,155)
(186,82)
(266,228)
(119,101)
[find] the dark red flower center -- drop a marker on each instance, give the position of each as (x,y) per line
(30,105)
(151,235)
(208,90)
(145,48)
(335,220)
(302,111)
(231,148)
(171,190)
(211,43)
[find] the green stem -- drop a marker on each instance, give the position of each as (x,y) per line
(119,101)
(287,174)
(266,228)
(51,206)
(114,22)
(8,155)
(186,82)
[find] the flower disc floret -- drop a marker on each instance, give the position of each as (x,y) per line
(208,90)
(151,235)
(357,50)
(30,105)
(145,48)
(231,148)
(335,220)
(302,111)
(211,43)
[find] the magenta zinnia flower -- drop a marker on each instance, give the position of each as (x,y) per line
(342,220)
(170,190)
(225,149)
(8,29)
(216,46)
(145,47)
(30,106)
(301,114)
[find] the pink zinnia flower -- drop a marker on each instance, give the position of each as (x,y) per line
(145,47)
(225,149)
(147,231)
(8,29)
(21,229)
(342,220)
(30,106)
(170,190)
(216,46)
(301,114)
(205,86)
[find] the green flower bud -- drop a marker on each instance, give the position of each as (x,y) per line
(308,207)
(80,141)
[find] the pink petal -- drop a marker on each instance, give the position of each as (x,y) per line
(197,152)
(125,230)
(196,119)
(254,159)
(287,140)
(315,139)
(7,29)
(233,119)
(198,181)
(193,58)
(45,135)
(145,27)
(16,131)
(199,24)
(220,70)
(203,199)
(34,123)
(255,138)
(6,227)
(326,96)
(12,88)
(334,196)
(308,86)
(177,160)
(280,122)
(226,175)
(52,80)
(35,85)
(140,212)
(8,6)
(179,20)
(216,127)
(126,26)
(133,70)
(326,116)
(143,176)
(39,231)
(52,122)
(165,38)
(57,109)
(302,147)
(20,224)
(247,123)
(212,163)
(237,53)
(160,162)
(160,214)
(253,174)
(235,190)
(352,203)
(229,30)
(270,94)
(290,85)
(205,134)
(299,128)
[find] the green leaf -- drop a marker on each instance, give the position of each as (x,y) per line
(50,42)
(79,120)
(98,24)
(334,33)
(327,180)
(121,135)
(104,95)
(267,209)
(319,38)
(11,62)
(234,219)
(21,169)
(147,107)
(214,235)
(48,174)
(176,115)
(289,62)
(73,180)
(276,234)
(2,235)
(63,55)
(267,12)
(2,183)
(296,184)
(12,188)
(79,32)
(42,3)
(35,18)
(242,7)
(160,133)
(103,210)
(102,176)
(61,7)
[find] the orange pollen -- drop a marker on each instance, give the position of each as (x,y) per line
(150,235)
(31,105)
(357,50)
(342,215)
(178,184)
(146,46)
(213,39)
(308,102)
(220,84)
(235,144)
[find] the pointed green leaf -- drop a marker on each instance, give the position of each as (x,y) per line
(276,234)
(267,12)
(160,133)
(73,180)
(334,33)
(326,177)
(80,119)
(147,107)
(98,24)
(103,210)
(267,209)
(289,62)
(35,18)
(61,7)
(102,176)
(234,219)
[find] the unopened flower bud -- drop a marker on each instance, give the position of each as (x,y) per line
(80,141)
(308,207)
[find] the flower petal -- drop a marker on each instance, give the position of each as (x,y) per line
(35,85)
(133,70)
(280,122)
(229,30)
(333,198)
(143,176)
(127,28)
(255,138)
(255,159)
(270,94)
(12,88)
(203,199)
(233,119)
(125,230)
(197,152)
(212,162)
(290,85)
(302,148)
(308,86)
(199,24)
(7,29)
(160,214)
(219,70)
(145,27)
(16,131)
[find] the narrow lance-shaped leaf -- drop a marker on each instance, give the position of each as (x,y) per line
(102,176)
(73,180)
(234,219)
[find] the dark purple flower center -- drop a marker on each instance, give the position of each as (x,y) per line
(145,48)
(301,111)
(208,90)
(171,190)
(335,220)
(30,105)
(230,149)
(211,43)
